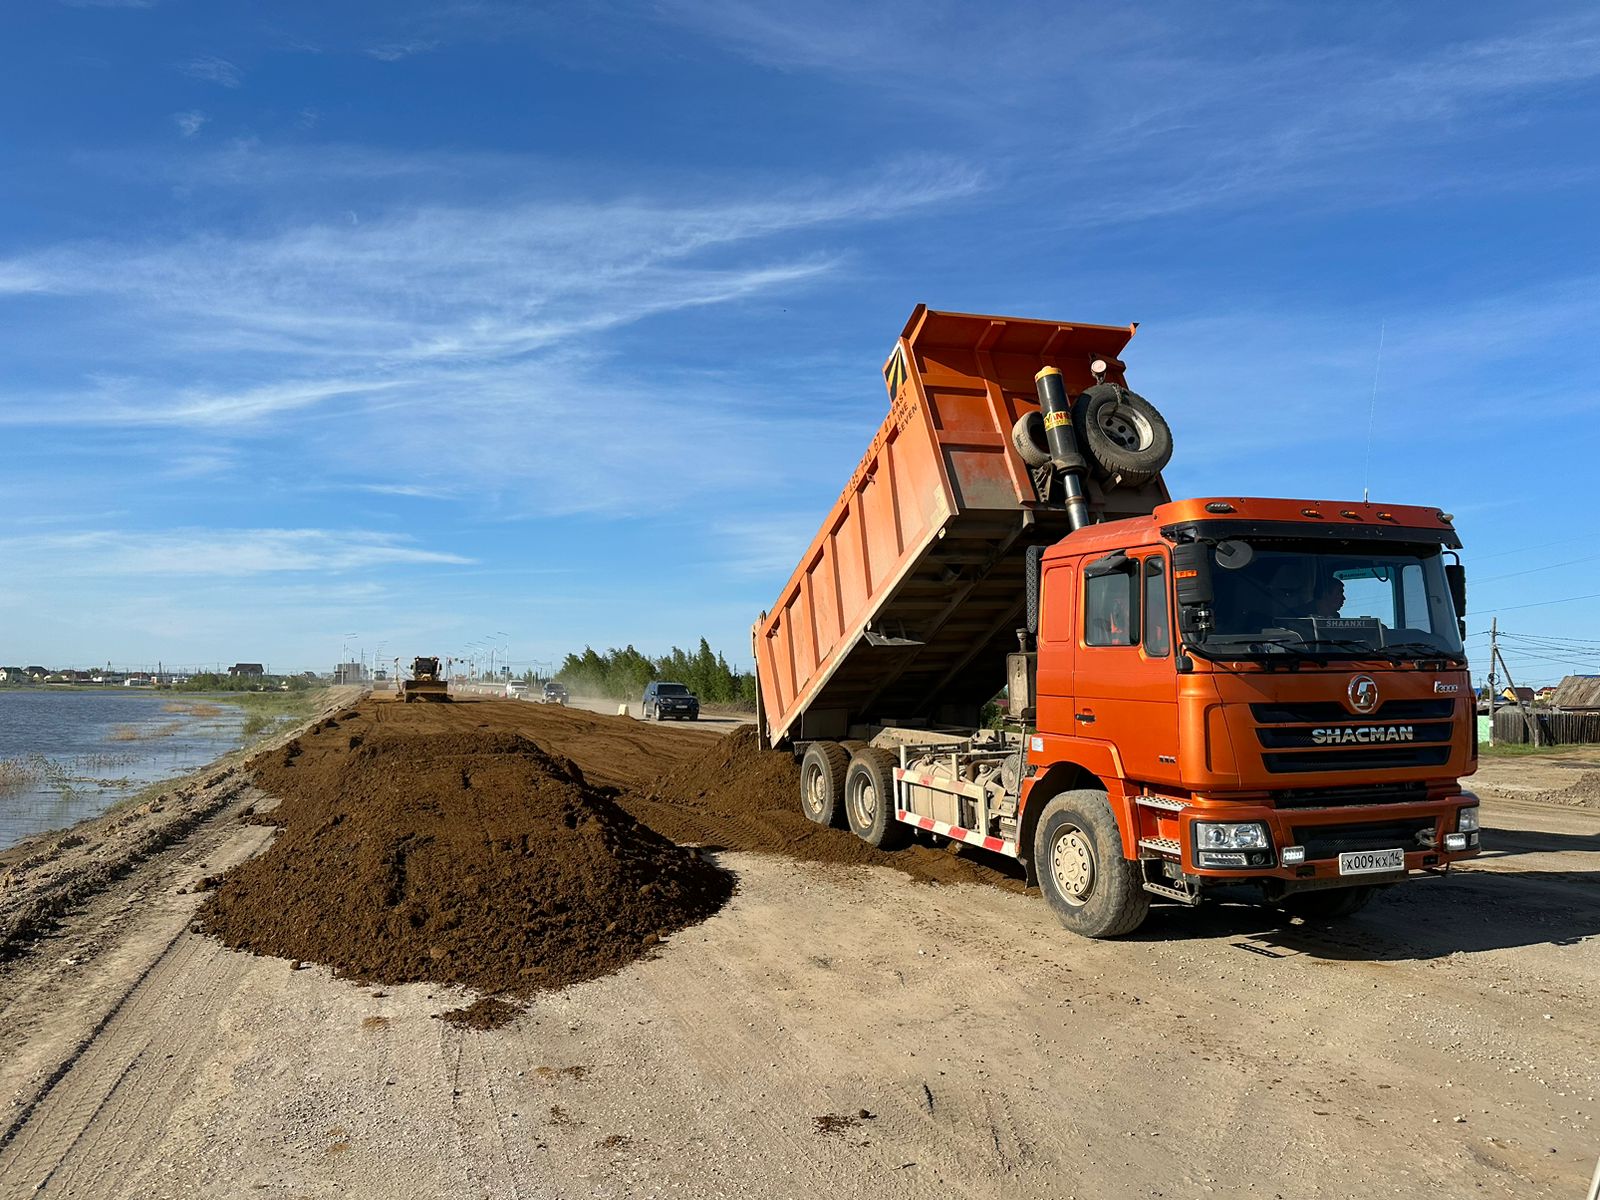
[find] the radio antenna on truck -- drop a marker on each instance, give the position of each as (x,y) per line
(1372,410)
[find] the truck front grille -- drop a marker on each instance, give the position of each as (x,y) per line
(1323,735)
(1347,797)
(1357,758)
(1323,712)
(1330,841)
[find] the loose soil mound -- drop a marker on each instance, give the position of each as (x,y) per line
(471,858)
(737,796)
(611,751)
(1585,793)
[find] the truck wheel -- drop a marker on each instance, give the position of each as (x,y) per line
(822,771)
(1334,903)
(869,799)
(1027,435)
(1077,854)
(1123,433)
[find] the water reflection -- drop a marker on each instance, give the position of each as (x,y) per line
(66,755)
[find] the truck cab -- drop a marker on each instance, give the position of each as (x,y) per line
(1271,690)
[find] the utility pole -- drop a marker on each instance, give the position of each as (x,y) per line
(1494,652)
(1534,738)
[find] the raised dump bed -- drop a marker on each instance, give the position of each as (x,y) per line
(905,604)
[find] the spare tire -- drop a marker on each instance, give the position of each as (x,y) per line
(1123,434)
(1027,435)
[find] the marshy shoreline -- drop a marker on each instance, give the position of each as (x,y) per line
(66,760)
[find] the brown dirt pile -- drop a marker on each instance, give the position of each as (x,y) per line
(736,796)
(611,751)
(1585,793)
(471,857)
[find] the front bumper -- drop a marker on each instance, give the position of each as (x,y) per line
(1417,828)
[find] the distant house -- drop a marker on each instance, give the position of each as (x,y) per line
(11,675)
(247,670)
(1578,693)
(1512,695)
(38,674)
(1543,695)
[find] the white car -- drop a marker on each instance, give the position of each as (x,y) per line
(516,689)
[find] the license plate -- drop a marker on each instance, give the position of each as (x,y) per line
(1372,862)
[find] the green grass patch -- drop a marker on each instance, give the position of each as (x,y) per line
(268,712)
(1524,750)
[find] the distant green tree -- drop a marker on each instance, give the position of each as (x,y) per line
(621,674)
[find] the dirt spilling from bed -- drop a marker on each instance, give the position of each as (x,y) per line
(470,858)
(460,845)
(736,796)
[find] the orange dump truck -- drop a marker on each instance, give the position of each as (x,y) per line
(1198,694)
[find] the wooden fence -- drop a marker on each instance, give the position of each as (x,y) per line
(1555,728)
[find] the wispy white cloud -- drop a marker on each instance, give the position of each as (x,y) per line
(394,301)
(189,123)
(105,554)
(395,51)
(765,547)
(212,69)
(1169,113)
(414,491)
(129,402)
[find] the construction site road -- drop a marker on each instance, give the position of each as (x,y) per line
(842,1031)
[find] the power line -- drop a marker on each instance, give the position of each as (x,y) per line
(1533,570)
(1537,604)
(1548,637)
(1477,558)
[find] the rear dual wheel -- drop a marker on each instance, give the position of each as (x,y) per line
(822,771)
(869,799)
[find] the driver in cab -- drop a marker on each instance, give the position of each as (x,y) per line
(1329,597)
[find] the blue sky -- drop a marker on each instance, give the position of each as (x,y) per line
(424,322)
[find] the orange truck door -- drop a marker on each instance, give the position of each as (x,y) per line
(1058,643)
(1125,687)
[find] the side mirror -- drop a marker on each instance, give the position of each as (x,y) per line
(1191,573)
(1456,575)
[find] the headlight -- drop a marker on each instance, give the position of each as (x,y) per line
(1231,835)
(1467,820)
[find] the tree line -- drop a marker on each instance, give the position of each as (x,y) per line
(622,674)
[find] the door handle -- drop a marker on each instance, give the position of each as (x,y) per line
(1086,717)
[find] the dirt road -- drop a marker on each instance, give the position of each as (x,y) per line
(842,1031)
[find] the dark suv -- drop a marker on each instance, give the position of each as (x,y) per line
(554,693)
(663,700)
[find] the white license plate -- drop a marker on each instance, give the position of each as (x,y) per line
(1372,862)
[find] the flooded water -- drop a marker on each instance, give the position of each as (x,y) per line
(66,755)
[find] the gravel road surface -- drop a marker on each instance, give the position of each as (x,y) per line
(843,1031)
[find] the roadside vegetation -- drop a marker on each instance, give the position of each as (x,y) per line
(267,712)
(622,674)
(211,681)
(1525,750)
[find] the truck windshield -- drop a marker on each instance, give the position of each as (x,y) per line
(1342,600)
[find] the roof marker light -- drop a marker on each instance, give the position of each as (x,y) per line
(1350,513)
(1311,512)
(1219,506)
